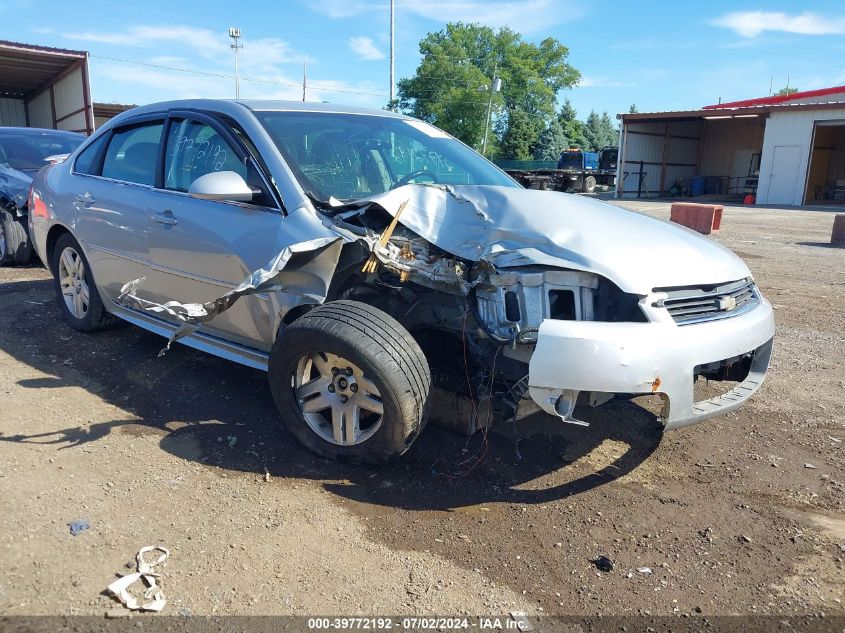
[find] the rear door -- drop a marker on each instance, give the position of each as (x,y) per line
(114,184)
(204,248)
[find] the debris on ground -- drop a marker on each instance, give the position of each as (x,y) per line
(811,466)
(603,563)
(154,596)
(644,570)
(79,526)
(745,538)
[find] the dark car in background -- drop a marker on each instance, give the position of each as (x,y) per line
(23,151)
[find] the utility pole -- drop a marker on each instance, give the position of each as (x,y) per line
(304,78)
(235,34)
(392,79)
(495,86)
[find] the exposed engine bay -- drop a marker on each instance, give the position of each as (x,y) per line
(477,325)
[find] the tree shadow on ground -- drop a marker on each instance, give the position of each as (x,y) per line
(221,414)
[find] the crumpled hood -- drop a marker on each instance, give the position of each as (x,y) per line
(517,227)
(14,185)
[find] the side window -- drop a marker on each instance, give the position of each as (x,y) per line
(132,154)
(86,162)
(195,149)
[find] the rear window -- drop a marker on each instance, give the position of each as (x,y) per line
(132,154)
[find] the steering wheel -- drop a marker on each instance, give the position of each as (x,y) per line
(414,174)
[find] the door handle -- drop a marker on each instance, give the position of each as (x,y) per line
(166,218)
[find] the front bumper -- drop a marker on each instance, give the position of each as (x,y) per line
(637,358)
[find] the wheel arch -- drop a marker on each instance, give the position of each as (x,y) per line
(53,235)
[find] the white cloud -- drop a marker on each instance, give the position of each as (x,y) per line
(140,84)
(524,16)
(186,62)
(753,23)
(204,41)
(364,48)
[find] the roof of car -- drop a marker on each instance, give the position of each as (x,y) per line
(37,130)
(260,106)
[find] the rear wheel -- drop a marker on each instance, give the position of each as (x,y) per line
(15,247)
(77,295)
(350,383)
(589,184)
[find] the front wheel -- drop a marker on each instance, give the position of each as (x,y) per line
(15,247)
(350,383)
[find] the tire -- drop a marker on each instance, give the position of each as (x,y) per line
(389,373)
(93,315)
(589,184)
(16,249)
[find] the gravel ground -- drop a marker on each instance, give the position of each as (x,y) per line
(744,514)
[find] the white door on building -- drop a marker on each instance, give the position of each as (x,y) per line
(783,179)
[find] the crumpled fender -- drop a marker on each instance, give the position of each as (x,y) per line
(510,226)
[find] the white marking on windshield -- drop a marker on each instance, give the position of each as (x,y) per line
(428,130)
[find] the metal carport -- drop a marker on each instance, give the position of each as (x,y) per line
(45,87)
(661,151)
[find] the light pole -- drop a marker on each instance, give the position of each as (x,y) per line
(235,34)
(392,81)
(495,86)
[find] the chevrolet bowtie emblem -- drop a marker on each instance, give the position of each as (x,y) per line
(726,304)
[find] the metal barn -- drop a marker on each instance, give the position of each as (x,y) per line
(784,150)
(45,87)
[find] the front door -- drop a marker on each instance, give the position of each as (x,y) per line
(204,248)
(783,179)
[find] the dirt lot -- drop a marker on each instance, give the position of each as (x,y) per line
(743,514)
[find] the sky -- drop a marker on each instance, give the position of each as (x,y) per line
(657,54)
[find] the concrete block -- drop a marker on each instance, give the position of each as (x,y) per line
(837,236)
(704,218)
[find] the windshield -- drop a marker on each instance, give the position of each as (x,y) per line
(26,152)
(352,156)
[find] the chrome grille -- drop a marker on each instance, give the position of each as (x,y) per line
(708,303)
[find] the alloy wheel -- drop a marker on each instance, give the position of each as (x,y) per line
(338,401)
(75,290)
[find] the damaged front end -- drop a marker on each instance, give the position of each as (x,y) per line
(477,324)
(518,314)
(14,191)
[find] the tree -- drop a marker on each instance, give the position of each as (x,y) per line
(610,133)
(785,92)
(599,131)
(551,142)
(450,85)
(633,109)
(572,127)
(520,136)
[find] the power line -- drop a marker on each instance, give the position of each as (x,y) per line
(219,75)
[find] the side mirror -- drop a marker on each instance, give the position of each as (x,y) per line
(222,185)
